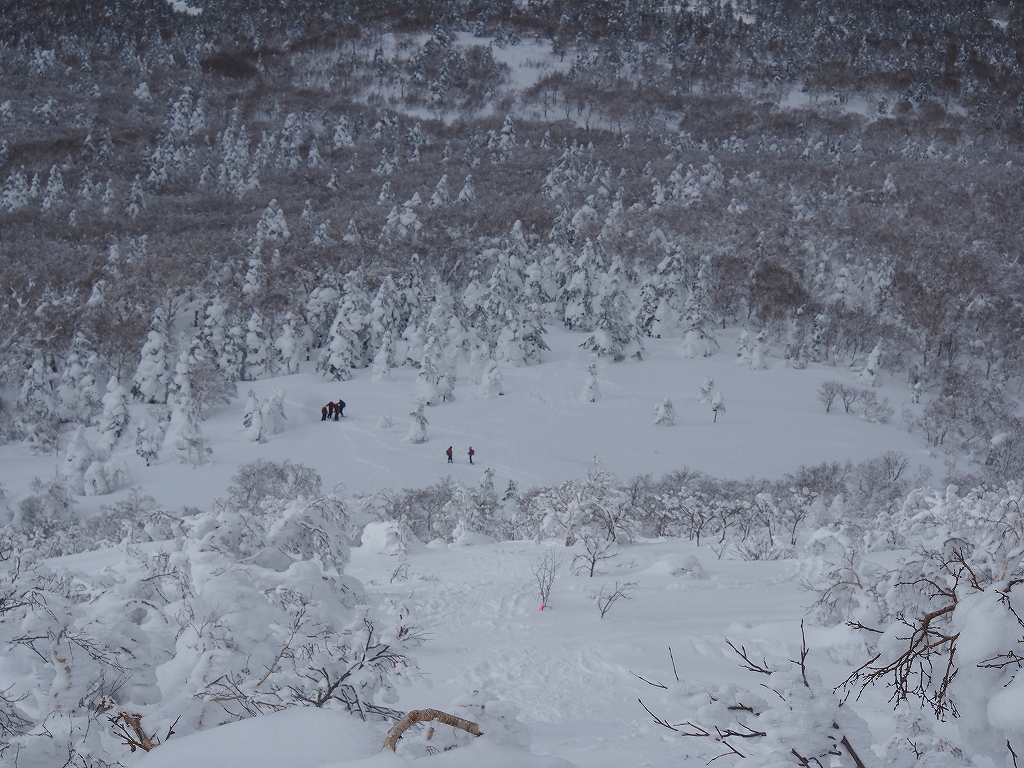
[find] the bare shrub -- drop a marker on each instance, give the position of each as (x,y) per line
(595,550)
(544,571)
(609,595)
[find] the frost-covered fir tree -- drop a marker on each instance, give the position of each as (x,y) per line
(698,320)
(272,416)
(759,351)
(869,374)
(665,413)
(199,381)
(149,438)
(290,343)
(153,374)
(78,394)
(591,392)
(468,192)
(38,419)
(384,313)
(115,417)
(705,390)
(185,438)
(342,351)
(384,360)
(252,418)
(579,296)
(78,456)
(257,348)
(441,195)
(322,309)
(430,369)
(717,405)
(616,334)
(491,382)
(418,425)
(743,348)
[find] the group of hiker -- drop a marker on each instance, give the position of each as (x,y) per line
(450,454)
(332,411)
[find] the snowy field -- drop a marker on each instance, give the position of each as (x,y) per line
(569,677)
(539,432)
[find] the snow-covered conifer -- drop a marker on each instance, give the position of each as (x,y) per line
(717,405)
(272,416)
(441,195)
(78,455)
(149,437)
(252,418)
(418,425)
(698,321)
(257,348)
(115,417)
(743,348)
(55,192)
(153,374)
(136,200)
(869,374)
(491,383)
(384,314)
(343,134)
(580,292)
(468,192)
(665,413)
(759,351)
(322,308)
(615,331)
(343,350)
(705,390)
(384,360)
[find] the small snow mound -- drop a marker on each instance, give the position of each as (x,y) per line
(463,538)
(296,738)
(388,538)
(678,565)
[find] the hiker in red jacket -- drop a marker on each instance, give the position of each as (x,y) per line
(323,412)
(471,452)
(448,453)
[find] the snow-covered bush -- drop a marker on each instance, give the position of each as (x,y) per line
(943,627)
(790,719)
(240,612)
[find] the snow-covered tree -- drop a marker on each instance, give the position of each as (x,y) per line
(491,383)
(384,360)
(153,374)
(717,405)
(616,334)
(665,413)
(115,417)
(342,351)
(418,425)
(257,359)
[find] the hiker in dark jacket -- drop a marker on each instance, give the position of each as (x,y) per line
(339,409)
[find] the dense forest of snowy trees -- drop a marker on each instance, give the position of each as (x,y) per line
(184,207)
(192,199)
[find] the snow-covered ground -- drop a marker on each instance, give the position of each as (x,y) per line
(539,432)
(573,675)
